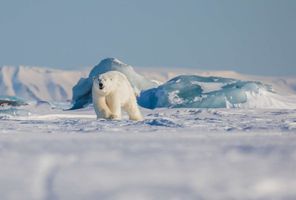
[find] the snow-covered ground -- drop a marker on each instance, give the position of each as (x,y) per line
(173,154)
(180,153)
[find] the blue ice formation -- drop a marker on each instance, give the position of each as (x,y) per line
(8,106)
(82,90)
(190,91)
(12,101)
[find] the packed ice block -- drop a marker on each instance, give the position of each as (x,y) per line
(191,91)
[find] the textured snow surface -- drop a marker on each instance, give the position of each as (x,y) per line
(172,154)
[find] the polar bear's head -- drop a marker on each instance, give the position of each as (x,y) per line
(104,84)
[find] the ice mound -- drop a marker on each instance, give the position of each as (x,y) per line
(191,91)
(82,90)
(11,101)
(9,104)
(13,106)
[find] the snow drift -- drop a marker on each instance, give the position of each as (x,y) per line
(82,90)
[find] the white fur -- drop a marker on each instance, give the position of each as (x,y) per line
(116,93)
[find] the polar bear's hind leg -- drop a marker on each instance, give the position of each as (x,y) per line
(133,111)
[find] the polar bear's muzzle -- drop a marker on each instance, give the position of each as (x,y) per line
(101,86)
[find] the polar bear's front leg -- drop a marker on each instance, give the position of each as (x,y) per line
(115,106)
(101,108)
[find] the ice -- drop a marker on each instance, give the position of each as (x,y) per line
(10,106)
(15,106)
(12,101)
(82,90)
(191,91)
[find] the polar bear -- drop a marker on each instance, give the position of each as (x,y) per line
(112,91)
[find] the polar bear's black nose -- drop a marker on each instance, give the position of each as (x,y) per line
(101,85)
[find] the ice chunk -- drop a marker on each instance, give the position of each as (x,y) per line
(192,91)
(82,90)
(8,106)
(11,101)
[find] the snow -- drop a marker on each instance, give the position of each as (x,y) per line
(208,87)
(172,154)
(38,83)
(48,152)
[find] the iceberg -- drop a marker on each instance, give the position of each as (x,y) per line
(82,90)
(191,91)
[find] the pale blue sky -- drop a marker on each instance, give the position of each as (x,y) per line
(249,36)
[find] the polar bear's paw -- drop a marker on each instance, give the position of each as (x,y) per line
(114,117)
(138,117)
